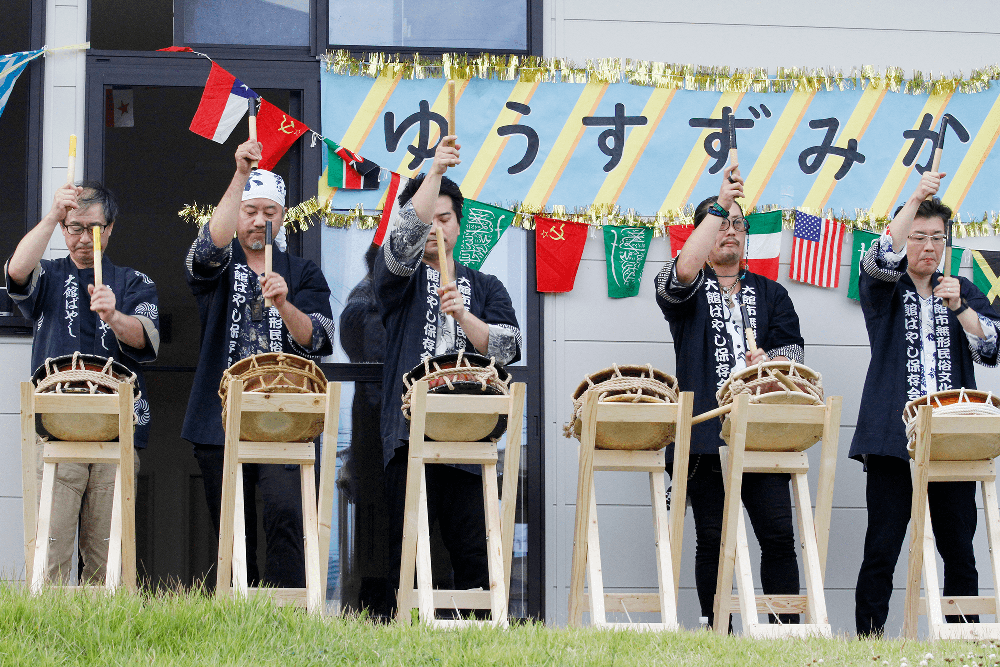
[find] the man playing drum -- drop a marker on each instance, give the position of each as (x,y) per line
(117,319)
(413,305)
(925,331)
(702,305)
(227,277)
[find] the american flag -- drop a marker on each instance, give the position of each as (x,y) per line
(816,250)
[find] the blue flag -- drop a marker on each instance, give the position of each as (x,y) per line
(10,67)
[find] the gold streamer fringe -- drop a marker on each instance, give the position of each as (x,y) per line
(301,217)
(655,74)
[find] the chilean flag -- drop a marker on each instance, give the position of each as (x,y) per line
(222,106)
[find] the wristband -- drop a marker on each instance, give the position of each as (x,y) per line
(717,210)
(961,309)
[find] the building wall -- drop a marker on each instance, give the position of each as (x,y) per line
(585,331)
(63,115)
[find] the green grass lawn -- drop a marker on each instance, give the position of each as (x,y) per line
(59,628)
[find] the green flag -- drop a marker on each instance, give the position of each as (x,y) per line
(625,251)
(956,260)
(482,227)
(862,242)
(985,272)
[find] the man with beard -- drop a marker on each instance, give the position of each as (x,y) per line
(700,294)
(227,277)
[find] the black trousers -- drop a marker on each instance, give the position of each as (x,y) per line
(455,501)
(953,518)
(281,489)
(768,503)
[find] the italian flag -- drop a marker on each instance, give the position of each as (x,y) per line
(346,169)
(765,243)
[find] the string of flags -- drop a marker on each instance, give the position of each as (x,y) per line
(560,237)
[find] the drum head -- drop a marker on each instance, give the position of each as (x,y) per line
(627,370)
(90,362)
(458,427)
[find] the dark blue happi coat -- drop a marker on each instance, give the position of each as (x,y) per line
(56,300)
(894,333)
(215,288)
(406,289)
(701,344)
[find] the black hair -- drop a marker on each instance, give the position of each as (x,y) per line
(370,256)
(449,188)
(930,208)
(702,210)
(96,193)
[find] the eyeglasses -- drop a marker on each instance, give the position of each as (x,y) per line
(739,224)
(77,230)
(921,239)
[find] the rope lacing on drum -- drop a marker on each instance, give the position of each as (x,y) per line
(77,377)
(486,376)
(637,389)
(963,406)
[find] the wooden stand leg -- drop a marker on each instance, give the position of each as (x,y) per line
(661,537)
(240,578)
(310,526)
(29,479)
(827,472)
(584,486)
(414,481)
(511,478)
(812,568)
(992,516)
(731,513)
(425,579)
(682,453)
(595,572)
(231,488)
(932,592)
(328,478)
(126,440)
(113,570)
(494,546)
(40,563)
(918,509)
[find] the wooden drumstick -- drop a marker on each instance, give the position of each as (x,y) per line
(98,272)
(71,164)
(947,252)
(253,126)
(442,256)
(269,231)
(452,128)
(717,412)
(939,146)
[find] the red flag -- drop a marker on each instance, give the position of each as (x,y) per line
(816,250)
(396,183)
(678,237)
(178,49)
(277,131)
(558,249)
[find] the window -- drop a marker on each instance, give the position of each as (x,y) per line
(450,25)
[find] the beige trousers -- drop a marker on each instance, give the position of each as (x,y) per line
(83,495)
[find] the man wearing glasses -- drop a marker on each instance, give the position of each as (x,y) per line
(705,294)
(117,319)
(925,332)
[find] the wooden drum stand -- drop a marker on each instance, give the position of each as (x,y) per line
(667,531)
(121,565)
(929,429)
(416,550)
(316,518)
(814,533)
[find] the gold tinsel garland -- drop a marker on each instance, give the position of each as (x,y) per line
(301,217)
(646,73)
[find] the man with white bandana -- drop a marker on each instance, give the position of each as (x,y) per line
(118,319)
(926,331)
(413,304)
(701,294)
(227,277)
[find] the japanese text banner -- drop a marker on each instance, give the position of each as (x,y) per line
(656,150)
